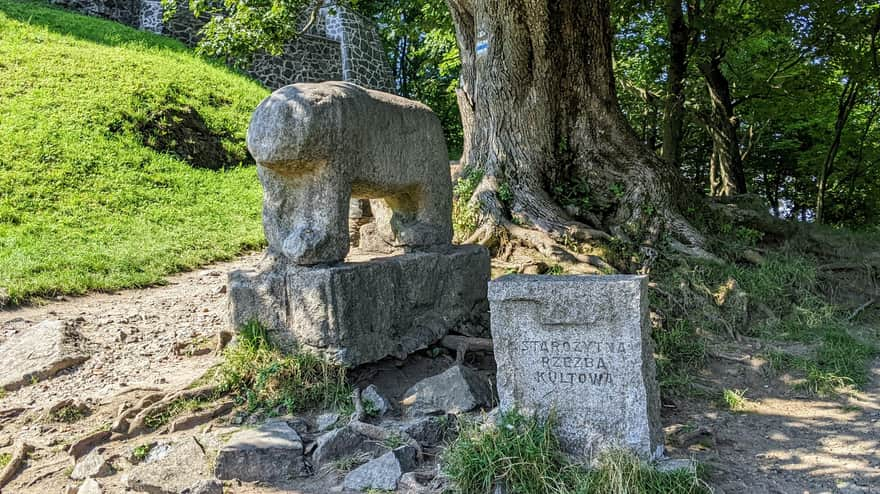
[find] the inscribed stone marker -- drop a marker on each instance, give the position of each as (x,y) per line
(579,345)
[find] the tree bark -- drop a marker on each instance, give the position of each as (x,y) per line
(726,175)
(845,105)
(540,113)
(673,115)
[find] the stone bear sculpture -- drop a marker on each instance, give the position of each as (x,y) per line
(319,145)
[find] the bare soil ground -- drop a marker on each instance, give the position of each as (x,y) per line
(148,340)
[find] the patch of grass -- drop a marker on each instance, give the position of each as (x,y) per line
(622,472)
(680,352)
(524,454)
(257,373)
(464,214)
(69,414)
(734,400)
(370,408)
(140,453)
(5,458)
(85,202)
(393,441)
(556,270)
(840,361)
(349,463)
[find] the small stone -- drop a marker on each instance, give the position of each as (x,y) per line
(409,484)
(343,442)
(91,465)
(379,403)
(90,486)
(673,464)
(384,472)
(459,389)
(38,353)
(326,421)
(205,486)
(430,430)
(271,453)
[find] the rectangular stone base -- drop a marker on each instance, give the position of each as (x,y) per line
(359,312)
(579,346)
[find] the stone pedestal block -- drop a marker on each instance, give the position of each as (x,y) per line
(579,345)
(366,308)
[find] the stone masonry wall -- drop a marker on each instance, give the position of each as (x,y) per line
(341,45)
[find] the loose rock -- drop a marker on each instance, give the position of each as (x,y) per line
(371,394)
(429,431)
(38,353)
(90,486)
(673,464)
(343,442)
(272,453)
(209,486)
(179,470)
(326,421)
(384,472)
(91,465)
(458,389)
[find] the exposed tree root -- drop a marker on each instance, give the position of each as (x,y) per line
(537,225)
(196,419)
(138,424)
(19,455)
(87,443)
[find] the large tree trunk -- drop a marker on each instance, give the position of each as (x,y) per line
(726,175)
(673,115)
(540,114)
(845,105)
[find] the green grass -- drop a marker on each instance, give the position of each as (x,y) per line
(785,304)
(140,453)
(680,353)
(260,375)
(70,414)
(85,202)
(464,213)
(734,400)
(524,454)
(5,458)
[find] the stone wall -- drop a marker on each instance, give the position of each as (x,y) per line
(124,11)
(309,59)
(363,59)
(341,45)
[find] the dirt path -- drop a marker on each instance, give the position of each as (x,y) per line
(130,336)
(783,443)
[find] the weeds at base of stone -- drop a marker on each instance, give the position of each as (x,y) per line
(261,376)
(349,463)
(526,454)
(393,441)
(5,458)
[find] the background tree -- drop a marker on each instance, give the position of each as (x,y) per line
(733,96)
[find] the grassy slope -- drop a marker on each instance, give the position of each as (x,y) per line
(83,204)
